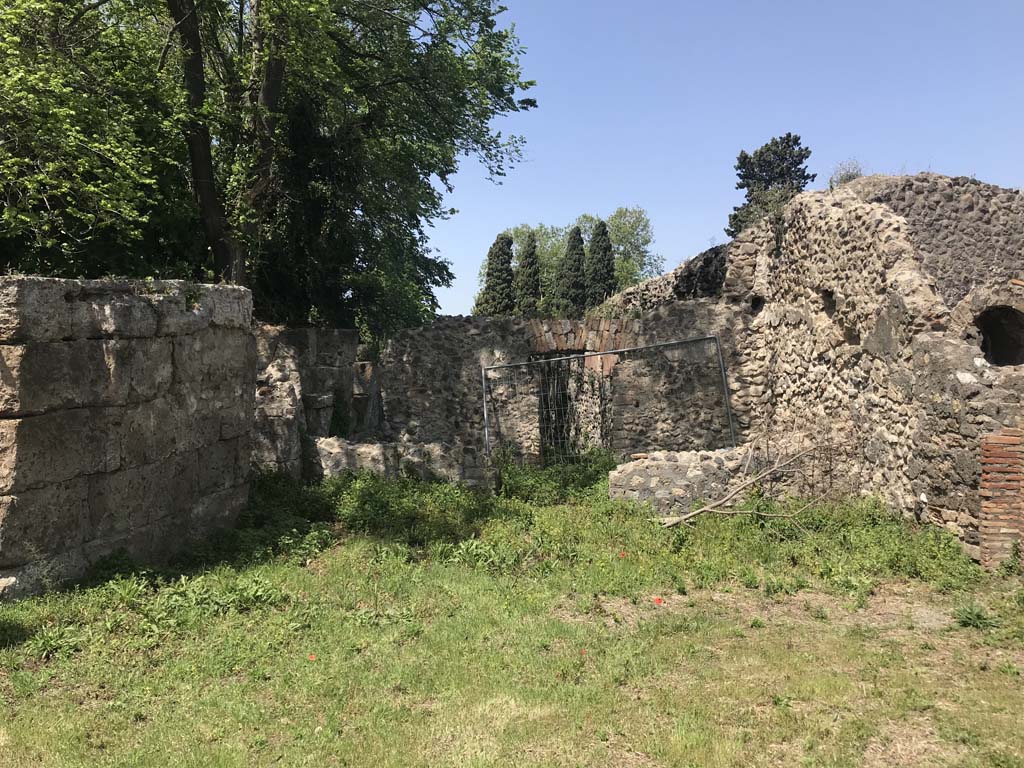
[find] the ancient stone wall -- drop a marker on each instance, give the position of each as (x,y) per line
(306,389)
(669,398)
(965,233)
(126,413)
(431,389)
(849,334)
(699,278)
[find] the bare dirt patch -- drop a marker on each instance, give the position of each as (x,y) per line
(910,743)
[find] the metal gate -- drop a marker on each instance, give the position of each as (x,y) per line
(668,396)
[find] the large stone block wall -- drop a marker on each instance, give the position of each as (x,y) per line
(126,413)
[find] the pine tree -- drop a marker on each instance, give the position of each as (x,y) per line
(528,278)
(572,282)
(772,176)
(600,266)
(498,299)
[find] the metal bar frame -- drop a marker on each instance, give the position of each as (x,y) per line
(606,352)
(487,431)
(726,394)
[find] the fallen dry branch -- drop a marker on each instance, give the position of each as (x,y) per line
(717,505)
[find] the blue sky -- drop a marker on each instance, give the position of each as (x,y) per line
(648,102)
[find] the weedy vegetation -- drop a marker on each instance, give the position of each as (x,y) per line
(365,621)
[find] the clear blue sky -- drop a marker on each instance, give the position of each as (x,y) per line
(648,102)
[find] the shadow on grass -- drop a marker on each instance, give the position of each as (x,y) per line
(286,518)
(290,519)
(12,633)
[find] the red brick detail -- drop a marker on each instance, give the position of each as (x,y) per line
(1002,495)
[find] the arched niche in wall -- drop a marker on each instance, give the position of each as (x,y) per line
(1002,335)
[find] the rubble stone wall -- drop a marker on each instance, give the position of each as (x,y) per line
(126,413)
(432,386)
(308,386)
(965,233)
(861,326)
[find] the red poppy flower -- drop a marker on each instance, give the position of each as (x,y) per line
(583,651)
(312,657)
(622,554)
(658,601)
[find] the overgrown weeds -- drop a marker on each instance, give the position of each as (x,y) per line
(340,611)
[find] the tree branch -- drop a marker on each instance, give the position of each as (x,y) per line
(716,505)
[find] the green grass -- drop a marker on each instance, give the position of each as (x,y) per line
(386,623)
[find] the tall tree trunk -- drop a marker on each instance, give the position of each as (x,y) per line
(265,84)
(228,259)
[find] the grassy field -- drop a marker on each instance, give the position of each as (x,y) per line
(372,623)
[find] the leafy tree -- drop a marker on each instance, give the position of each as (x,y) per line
(498,298)
(571,284)
(90,155)
(771,176)
(527,280)
(631,235)
(600,266)
(290,146)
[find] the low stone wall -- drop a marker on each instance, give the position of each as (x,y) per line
(126,413)
(425,461)
(672,481)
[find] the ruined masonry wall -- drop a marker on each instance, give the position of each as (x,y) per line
(307,387)
(431,382)
(965,233)
(861,327)
(125,420)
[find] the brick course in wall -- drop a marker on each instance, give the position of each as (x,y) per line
(1002,495)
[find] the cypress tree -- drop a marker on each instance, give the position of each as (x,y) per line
(498,298)
(528,278)
(600,267)
(572,281)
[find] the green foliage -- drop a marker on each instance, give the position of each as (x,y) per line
(498,297)
(55,641)
(971,614)
(772,176)
(600,266)
(90,150)
(527,279)
(328,123)
(571,283)
(412,512)
(631,235)
(333,606)
(558,482)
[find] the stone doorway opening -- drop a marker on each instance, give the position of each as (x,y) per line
(1002,335)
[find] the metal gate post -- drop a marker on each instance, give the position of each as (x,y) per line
(725,390)
(487,431)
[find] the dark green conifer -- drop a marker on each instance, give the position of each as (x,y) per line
(600,266)
(528,278)
(498,298)
(572,282)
